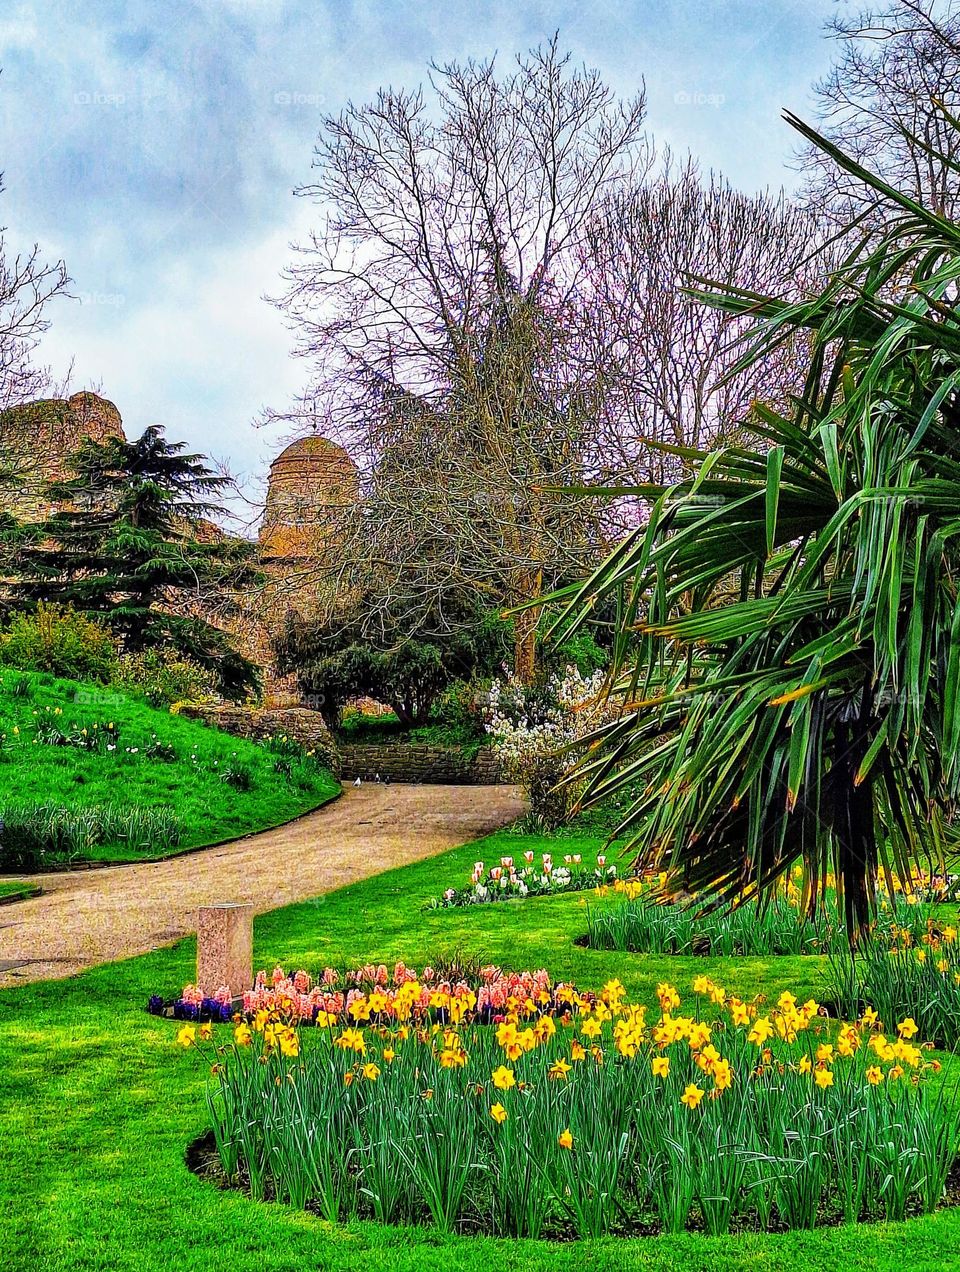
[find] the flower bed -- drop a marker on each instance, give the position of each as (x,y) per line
(632,917)
(909,973)
(374,994)
(582,1120)
(511,881)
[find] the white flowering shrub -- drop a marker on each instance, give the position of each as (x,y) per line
(535,731)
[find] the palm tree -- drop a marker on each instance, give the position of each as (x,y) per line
(814,715)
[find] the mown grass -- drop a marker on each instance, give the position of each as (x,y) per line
(17,891)
(98,1105)
(191,781)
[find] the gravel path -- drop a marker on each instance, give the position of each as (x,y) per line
(94,916)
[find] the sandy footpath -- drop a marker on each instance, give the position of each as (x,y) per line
(93,916)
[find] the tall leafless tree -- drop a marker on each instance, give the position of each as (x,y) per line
(897,68)
(431,304)
(666,360)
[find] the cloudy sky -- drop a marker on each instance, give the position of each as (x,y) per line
(155,146)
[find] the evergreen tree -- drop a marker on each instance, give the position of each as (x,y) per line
(126,543)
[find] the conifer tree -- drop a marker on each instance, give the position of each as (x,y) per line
(129,542)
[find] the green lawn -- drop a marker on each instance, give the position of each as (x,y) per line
(98,1105)
(16,891)
(191,781)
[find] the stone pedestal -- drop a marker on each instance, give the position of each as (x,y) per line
(225,948)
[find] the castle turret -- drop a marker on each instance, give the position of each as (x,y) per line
(312,483)
(38,439)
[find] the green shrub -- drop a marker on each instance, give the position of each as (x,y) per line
(163,677)
(56,639)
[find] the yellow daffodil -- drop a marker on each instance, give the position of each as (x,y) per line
(823,1078)
(692,1096)
(761,1031)
(187,1036)
(660,1066)
(503,1078)
(352,1040)
(498,1113)
(565,1139)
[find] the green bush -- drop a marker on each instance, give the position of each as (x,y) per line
(56,639)
(163,677)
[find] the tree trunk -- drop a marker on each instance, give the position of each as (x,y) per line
(525,629)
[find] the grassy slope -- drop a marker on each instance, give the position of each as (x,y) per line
(98,1105)
(210,809)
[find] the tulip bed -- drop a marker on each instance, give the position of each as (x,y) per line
(566,1114)
(514,879)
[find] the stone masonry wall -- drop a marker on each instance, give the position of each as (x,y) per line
(393,762)
(409,762)
(299,723)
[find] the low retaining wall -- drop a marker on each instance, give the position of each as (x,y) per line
(410,762)
(390,761)
(299,723)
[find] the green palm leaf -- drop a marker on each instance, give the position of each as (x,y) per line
(788,657)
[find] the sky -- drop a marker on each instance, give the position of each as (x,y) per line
(156,147)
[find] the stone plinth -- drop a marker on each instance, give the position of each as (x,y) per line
(225,948)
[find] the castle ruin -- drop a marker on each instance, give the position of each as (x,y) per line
(311,484)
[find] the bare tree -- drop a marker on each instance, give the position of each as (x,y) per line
(665,359)
(27,285)
(432,309)
(883,103)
